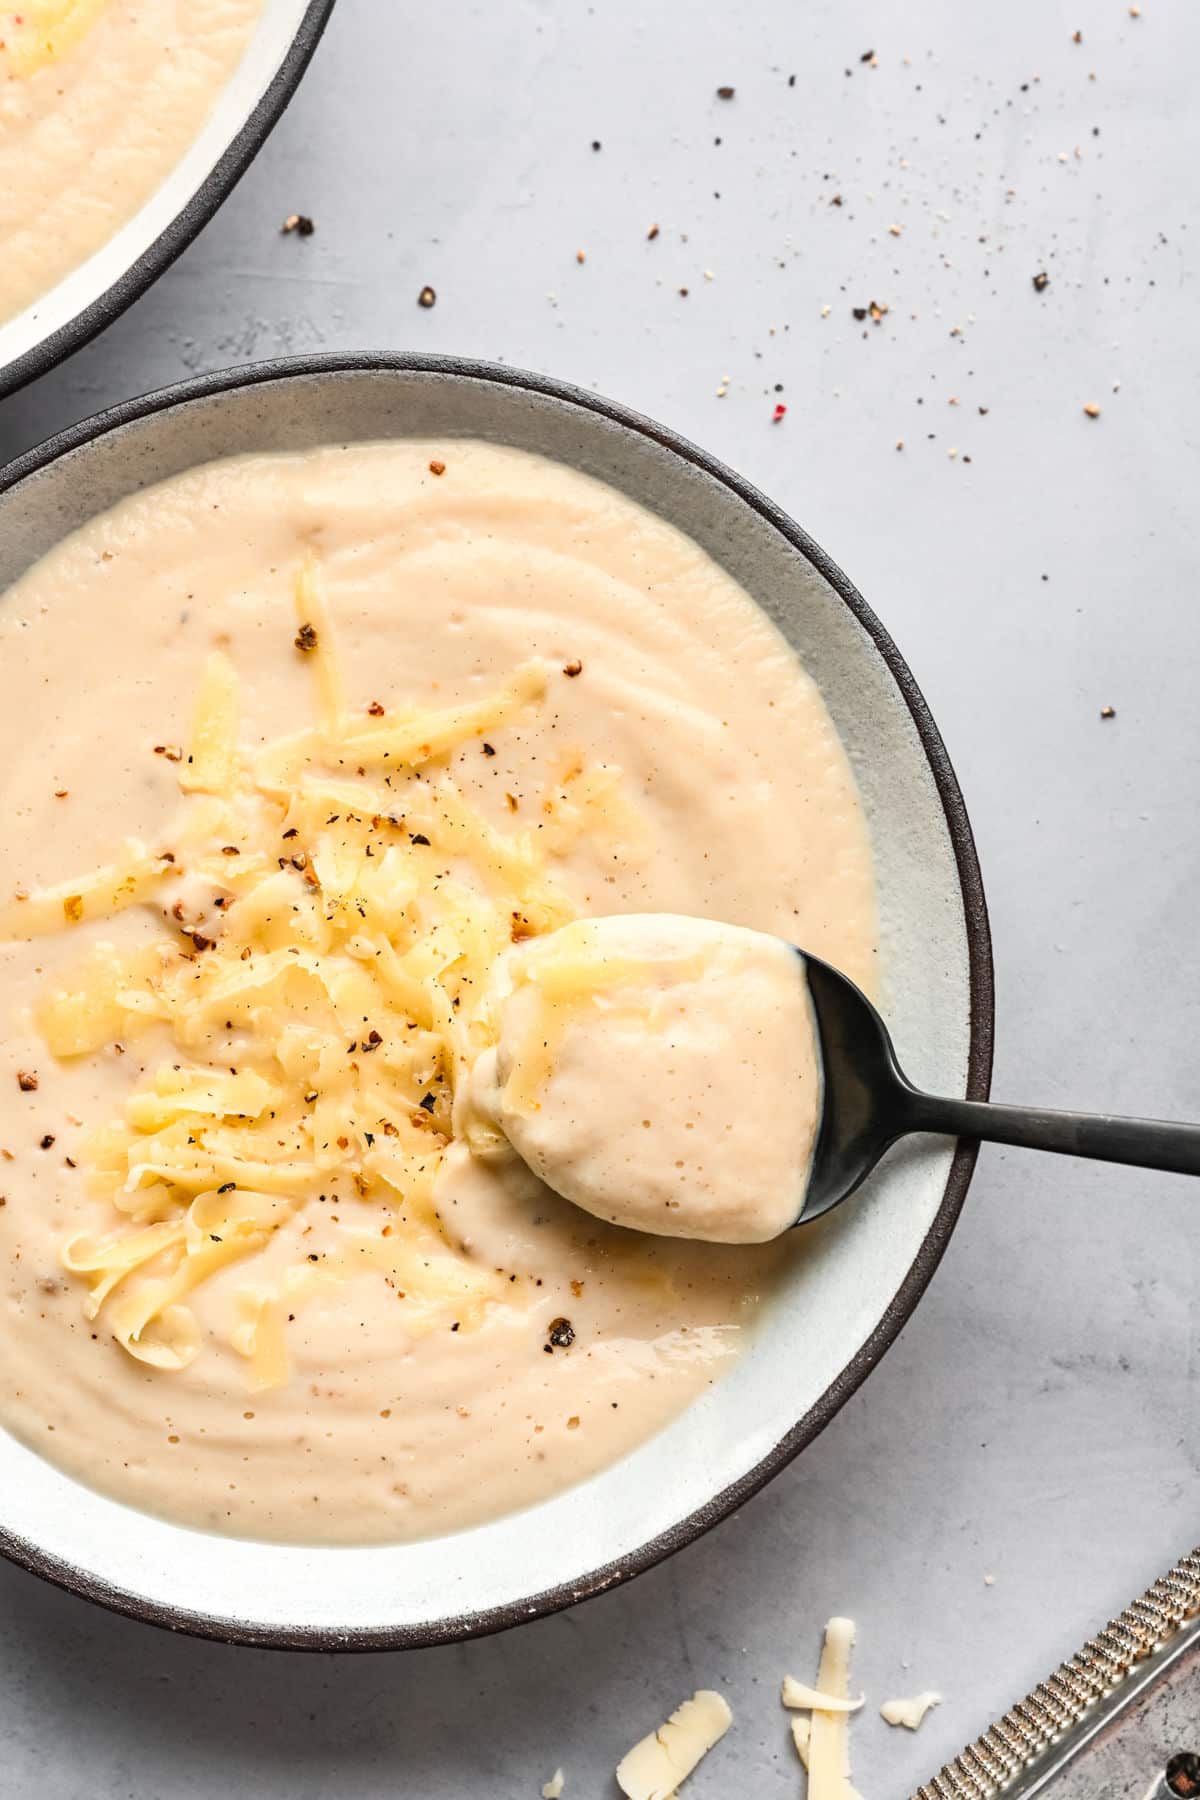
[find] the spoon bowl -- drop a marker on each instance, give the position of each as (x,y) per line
(869,1103)
(863,1108)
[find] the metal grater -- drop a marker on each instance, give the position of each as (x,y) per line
(1023,1752)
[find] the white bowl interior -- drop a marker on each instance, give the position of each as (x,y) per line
(857,1258)
(76,292)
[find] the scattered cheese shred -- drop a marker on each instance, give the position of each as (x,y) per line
(315,639)
(412,738)
(211,762)
(796,1694)
(109,998)
(567,973)
(910,1713)
(802,1736)
(654,1768)
(44,31)
(552,1789)
(314,1023)
(127,882)
(829,1739)
(260,1338)
(571,971)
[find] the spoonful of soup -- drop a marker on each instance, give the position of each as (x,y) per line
(693,1079)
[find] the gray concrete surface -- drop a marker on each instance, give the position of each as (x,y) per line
(1038,1419)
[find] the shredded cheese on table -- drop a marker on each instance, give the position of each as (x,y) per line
(655,1768)
(318,1015)
(911,1712)
(799,1694)
(822,1740)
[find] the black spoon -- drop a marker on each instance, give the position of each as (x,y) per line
(870,1103)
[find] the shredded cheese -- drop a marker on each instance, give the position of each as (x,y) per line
(315,1028)
(655,1767)
(552,1789)
(797,1694)
(127,882)
(315,638)
(44,31)
(572,971)
(412,738)
(259,1337)
(802,1737)
(909,1713)
(210,765)
(829,1738)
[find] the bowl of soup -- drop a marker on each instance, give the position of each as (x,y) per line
(326,687)
(122,128)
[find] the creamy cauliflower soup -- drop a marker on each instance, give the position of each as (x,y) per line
(99,99)
(296,753)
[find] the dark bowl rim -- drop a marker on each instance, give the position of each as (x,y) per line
(187,224)
(979,1063)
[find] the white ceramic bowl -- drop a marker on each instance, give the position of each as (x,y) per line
(98,291)
(868,1263)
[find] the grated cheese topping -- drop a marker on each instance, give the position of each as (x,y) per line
(44,31)
(317,1014)
(566,973)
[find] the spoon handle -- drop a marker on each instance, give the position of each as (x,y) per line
(1150,1143)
